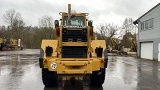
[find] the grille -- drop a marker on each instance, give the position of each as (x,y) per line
(74,35)
(74,52)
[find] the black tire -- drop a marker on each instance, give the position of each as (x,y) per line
(97,79)
(49,78)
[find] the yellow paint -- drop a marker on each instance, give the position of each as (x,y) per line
(97,43)
(74,65)
(74,44)
(14,42)
(51,43)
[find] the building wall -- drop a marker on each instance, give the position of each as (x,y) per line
(155,48)
(152,34)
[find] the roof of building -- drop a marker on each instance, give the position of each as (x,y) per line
(136,21)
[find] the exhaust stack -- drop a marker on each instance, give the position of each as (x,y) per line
(69,14)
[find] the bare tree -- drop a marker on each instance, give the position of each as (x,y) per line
(129,32)
(128,26)
(46,21)
(15,22)
(45,31)
(107,30)
(2,30)
(10,16)
(102,31)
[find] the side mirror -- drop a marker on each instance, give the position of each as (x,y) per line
(56,22)
(90,23)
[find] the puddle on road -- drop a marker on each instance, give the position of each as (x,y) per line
(14,74)
(129,73)
(9,64)
(5,58)
(19,57)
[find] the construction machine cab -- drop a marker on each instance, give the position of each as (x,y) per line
(73,19)
(77,19)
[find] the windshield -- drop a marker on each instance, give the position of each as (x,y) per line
(75,21)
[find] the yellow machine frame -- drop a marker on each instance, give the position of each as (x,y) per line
(67,67)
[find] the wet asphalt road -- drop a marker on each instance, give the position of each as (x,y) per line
(19,70)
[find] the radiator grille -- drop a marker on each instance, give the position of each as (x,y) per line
(74,35)
(74,52)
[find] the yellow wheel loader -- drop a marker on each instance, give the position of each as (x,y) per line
(74,55)
(8,44)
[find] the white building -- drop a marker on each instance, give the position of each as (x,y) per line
(149,34)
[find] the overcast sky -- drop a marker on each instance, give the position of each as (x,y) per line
(100,11)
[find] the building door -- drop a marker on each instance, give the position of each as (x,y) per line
(147,50)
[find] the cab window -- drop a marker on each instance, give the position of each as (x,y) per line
(75,20)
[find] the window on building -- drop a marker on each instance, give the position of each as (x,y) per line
(142,26)
(151,23)
(146,24)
